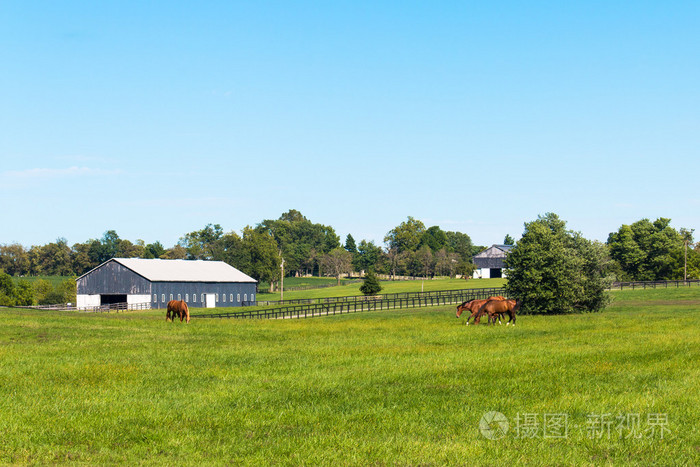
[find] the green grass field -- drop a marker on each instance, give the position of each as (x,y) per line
(313,281)
(406,387)
(388,287)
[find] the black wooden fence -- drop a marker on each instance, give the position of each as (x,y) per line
(356,304)
(654,284)
(116,307)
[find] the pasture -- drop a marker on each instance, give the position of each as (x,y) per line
(400,387)
(388,287)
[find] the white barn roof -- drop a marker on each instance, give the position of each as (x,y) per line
(181,270)
(495,251)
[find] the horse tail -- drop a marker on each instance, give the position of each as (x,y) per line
(186,310)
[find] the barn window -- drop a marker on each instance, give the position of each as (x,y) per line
(171,296)
(202,298)
(162,298)
(179,297)
(245,297)
(194,297)
(187,297)
(231,298)
(238,297)
(252,297)
(155,298)
(217,297)
(224,297)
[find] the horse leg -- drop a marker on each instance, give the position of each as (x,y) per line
(167,316)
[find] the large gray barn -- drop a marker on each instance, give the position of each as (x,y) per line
(490,262)
(205,284)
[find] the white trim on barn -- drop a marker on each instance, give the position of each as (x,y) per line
(87,301)
(140,299)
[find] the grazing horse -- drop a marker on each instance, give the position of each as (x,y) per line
(178,307)
(473,306)
(496,308)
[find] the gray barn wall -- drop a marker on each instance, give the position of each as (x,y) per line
(490,263)
(113,278)
(199,288)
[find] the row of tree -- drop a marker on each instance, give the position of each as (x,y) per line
(647,251)
(555,270)
(644,250)
(304,246)
(21,292)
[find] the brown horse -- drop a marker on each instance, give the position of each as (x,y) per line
(497,308)
(473,306)
(178,307)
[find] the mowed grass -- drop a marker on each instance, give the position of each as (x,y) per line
(406,387)
(388,287)
(307,281)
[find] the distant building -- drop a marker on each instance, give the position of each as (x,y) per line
(202,284)
(489,263)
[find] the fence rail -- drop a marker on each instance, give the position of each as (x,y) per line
(654,284)
(373,303)
(116,307)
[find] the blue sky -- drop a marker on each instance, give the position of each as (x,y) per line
(156,118)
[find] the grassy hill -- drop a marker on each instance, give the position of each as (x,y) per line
(404,387)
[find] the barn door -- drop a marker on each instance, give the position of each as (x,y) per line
(210,300)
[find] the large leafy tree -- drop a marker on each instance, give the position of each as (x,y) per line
(554,270)
(154,250)
(646,250)
(14,259)
(80,259)
(368,256)
(232,250)
(299,239)
(434,238)
(54,259)
(406,236)
(460,243)
(265,260)
(204,243)
(15,293)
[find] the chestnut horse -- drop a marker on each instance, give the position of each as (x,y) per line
(473,306)
(496,308)
(178,307)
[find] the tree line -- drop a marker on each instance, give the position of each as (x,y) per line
(554,270)
(644,250)
(304,246)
